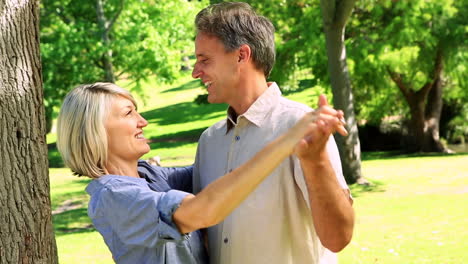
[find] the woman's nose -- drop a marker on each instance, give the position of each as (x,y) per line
(142,122)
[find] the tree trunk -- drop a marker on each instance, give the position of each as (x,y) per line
(26,232)
(425,109)
(434,105)
(335,16)
(107,56)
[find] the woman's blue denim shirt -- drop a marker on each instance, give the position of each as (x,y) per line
(134,216)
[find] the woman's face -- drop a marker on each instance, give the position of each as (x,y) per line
(124,127)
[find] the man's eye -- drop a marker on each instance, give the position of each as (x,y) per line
(129,112)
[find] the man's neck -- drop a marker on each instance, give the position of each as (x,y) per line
(248,91)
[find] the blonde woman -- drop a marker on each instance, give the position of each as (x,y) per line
(147,214)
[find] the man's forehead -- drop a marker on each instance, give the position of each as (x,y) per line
(206,44)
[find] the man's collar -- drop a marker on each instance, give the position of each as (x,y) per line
(258,110)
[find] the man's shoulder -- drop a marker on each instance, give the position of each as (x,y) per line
(293,107)
(215,129)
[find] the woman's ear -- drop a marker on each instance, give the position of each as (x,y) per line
(245,53)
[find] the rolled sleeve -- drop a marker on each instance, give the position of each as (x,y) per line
(167,205)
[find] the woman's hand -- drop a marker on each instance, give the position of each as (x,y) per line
(317,126)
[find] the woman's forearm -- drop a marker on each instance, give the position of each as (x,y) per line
(221,197)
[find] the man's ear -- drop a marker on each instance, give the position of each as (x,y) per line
(245,53)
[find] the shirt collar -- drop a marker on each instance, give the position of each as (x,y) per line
(259,109)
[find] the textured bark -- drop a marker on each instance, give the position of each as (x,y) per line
(26,232)
(335,15)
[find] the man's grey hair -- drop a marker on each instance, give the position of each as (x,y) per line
(235,24)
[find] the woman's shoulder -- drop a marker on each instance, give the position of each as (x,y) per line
(115,184)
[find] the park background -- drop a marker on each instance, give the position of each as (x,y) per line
(405,83)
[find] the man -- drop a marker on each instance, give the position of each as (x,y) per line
(303,211)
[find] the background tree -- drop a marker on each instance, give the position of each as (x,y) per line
(26,233)
(382,37)
(88,41)
(408,56)
(335,15)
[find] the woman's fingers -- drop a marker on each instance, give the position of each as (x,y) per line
(331,124)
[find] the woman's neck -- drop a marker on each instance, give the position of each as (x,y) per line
(123,168)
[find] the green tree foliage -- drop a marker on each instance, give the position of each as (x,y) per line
(404,36)
(147,38)
(407,55)
(382,37)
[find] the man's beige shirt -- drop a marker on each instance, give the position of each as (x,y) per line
(274,224)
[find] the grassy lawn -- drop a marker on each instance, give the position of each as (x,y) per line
(414,211)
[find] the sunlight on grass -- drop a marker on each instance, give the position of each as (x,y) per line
(415,212)
(77,248)
(416,215)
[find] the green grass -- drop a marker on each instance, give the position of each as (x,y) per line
(414,212)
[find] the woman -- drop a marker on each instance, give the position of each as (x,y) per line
(144,213)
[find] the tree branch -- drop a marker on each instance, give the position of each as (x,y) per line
(398,80)
(328,12)
(438,66)
(344,8)
(116,16)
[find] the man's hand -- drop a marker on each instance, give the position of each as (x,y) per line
(327,122)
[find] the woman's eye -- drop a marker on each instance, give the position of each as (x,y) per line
(129,112)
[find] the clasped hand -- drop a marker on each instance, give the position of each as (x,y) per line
(317,126)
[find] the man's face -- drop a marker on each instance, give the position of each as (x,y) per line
(216,68)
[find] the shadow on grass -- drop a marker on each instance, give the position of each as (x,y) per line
(302,85)
(55,160)
(188,136)
(72,221)
(373,186)
(186,86)
(396,154)
(184,113)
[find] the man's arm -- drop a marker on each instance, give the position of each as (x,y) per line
(331,206)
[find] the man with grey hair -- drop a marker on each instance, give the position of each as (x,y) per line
(302,212)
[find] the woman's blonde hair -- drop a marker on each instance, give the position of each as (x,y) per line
(81,134)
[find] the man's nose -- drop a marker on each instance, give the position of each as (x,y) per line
(196,73)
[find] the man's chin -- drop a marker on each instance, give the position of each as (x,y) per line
(212,99)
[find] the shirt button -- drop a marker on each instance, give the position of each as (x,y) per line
(226,240)
(237,138)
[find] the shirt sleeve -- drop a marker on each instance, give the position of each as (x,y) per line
(196,181)
(140,216)
(180,178)
(176,178)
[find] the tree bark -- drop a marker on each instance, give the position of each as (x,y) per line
(107,56)
(26,232)
(335,15)
(434,109)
